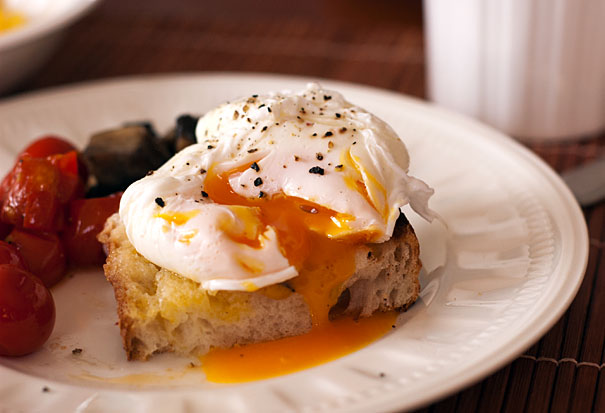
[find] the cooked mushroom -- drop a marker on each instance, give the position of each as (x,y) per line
(182,135)
(118,157)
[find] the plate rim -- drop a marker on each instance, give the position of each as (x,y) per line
(577,264)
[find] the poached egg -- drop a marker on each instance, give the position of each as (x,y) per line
(277,186)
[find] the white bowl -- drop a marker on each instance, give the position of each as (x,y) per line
(25,49)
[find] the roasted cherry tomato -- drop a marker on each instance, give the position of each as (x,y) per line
(5,229)
(10,255)
(38,190)
(27,309)
(43,253)
(46,146)
(54,145)
(32,198)
(86,220)
(71,185)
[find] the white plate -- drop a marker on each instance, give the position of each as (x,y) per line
(494,282)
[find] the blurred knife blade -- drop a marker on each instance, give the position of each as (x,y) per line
(587,182)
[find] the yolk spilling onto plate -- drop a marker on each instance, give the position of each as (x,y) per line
(287,355)
(306,234)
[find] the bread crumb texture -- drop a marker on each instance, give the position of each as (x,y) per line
(161,311)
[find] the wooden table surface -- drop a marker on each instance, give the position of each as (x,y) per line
(378,43)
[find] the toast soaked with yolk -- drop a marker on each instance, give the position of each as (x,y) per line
(161,311)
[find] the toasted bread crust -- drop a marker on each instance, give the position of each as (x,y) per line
(160,311)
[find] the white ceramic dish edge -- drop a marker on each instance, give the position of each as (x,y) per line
(577,263)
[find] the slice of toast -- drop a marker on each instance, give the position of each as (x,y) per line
(161,311)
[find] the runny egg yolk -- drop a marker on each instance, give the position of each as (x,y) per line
(306,234)
(375,194)
(9,19)
(287,355)
(177,218)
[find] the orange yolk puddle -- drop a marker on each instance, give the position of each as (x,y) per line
(306,234)
(287,355)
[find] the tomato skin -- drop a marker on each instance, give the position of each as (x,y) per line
(53,145)
(28,312)
(5,229)
(9,254)
(36,191)
(30,201)
(71,185)
(86,219)
(46,146)
(43,253)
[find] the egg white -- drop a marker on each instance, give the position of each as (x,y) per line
(312,145)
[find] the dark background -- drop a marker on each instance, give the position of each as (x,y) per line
(377,43)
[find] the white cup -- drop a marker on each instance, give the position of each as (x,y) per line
(533,68)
